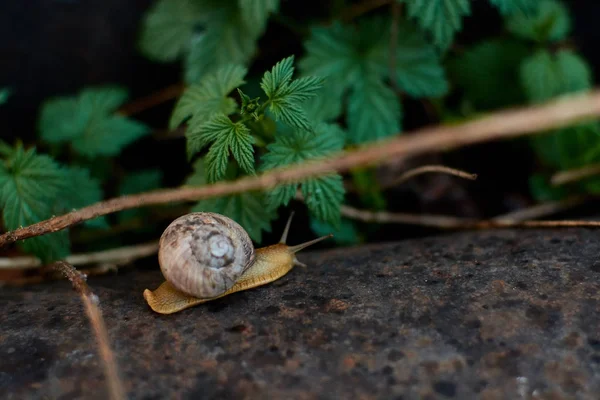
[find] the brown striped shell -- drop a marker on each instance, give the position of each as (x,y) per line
(203,254)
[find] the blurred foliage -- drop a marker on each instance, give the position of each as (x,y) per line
(348,86)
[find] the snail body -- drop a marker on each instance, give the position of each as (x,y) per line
(205,256)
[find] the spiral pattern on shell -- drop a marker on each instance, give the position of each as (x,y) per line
(203,254)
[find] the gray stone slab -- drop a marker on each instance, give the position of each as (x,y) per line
(490,315)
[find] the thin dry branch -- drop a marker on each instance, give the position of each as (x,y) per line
(92,309)
(573,175)
(500,125)
(450,222)
(118,256)
(542,210)
(152,100)
(427,169)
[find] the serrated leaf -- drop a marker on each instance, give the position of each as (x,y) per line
(277,78)
(29,187)
(551,22)
(62,120)
(256,12)
(302,89)
(442,18)
(297,146)
(419,71)
(486,73)
(209,96)
(88,191)
(102,100)
(350,58)
(323,197)
(167,29)
(326,107)
(226,38)
(545,75)
(286,95)
(570,147)
(508,7)
(88,123)
(291,113)
(248,209)
(108,136)
(225,136)
(138,182)
(374,112)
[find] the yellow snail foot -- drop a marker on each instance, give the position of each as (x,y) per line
(168,300)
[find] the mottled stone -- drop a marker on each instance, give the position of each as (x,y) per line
(482,315)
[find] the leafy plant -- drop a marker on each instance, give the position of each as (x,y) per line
(206,33)
(356,63)
(339,81)
(88,122)
(35,187)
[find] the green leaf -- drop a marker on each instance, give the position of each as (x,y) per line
(353,58)
(167,29)
(62,119)
(545,75)
(249,106)
(508,7)
(229,36)
(551,22)
(256,12)
(4,95)
(442,18)
(88,191)
(486,73)
(30,185)
(286,95)
(209,96)
(326,107)
(419,71)
(225,136)
(570,147)
(297,146)
(88,122)
(274,81)
(324,196)
(345,234)
(102,100)
(138,182)
(107,137)
(291,113)
(374,112)
(248,209)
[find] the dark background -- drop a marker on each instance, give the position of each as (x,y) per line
(56,47)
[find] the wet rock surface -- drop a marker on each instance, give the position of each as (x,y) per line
(490,315)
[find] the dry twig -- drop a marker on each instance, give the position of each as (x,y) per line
(152,100)
(118,256)
(542,210)
(450,222)
(426,169)
(500,125)
(92,309)
(573,175)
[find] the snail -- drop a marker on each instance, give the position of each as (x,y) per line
(204,256)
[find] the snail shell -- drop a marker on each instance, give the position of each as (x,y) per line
(202,254)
